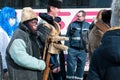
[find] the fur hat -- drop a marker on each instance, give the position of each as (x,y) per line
(115,17)
(28,14)
(55,3)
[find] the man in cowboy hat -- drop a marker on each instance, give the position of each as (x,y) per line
(51,19)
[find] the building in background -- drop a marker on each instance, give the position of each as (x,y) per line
(42,4)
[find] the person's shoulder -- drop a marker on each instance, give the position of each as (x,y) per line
(41,21)
(86,23)
(1,29)
(73,22)
(2,32)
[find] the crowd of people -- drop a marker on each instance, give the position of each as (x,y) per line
(32,50)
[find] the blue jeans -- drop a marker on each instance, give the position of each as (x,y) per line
(75,64)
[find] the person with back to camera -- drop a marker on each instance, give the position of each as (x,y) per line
(8,24)
(100,25)
(105,60)
(76,58)
(24,52)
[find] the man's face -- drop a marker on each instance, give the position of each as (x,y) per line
(33,25)
(80,17)
(55,11)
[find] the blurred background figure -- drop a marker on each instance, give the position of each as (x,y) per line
(8,24)
(77,55)
(99,26)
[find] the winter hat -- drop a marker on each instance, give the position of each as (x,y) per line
(28,14)
(115,17)
(55,3)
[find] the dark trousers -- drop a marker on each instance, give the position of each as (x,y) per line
(57,76)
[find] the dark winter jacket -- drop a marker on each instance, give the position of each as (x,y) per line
(75,33)
(45,18)
(105,61)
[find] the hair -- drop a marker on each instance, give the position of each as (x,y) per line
(99,15)
(83,12)
(5,14)
(48,8)
(106,16)
(55,3)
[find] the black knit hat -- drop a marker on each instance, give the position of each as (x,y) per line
(55,3)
